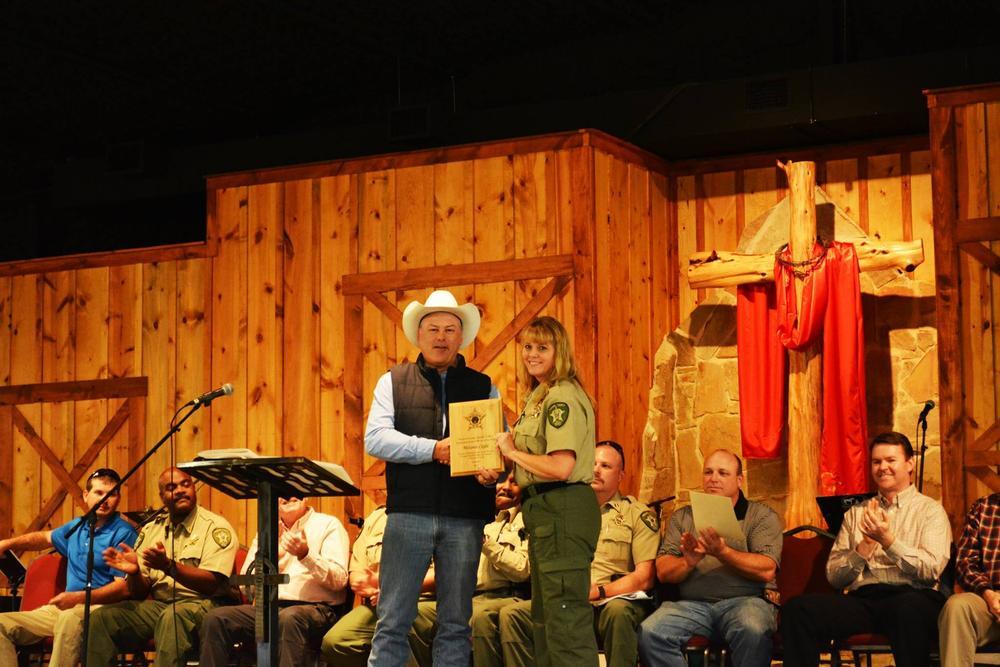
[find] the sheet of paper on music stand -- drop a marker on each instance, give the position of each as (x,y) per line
(711,511)
(243,453)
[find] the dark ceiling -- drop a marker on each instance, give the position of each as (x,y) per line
(112,112)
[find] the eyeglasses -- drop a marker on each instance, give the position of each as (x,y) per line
(615,446)
(106,472)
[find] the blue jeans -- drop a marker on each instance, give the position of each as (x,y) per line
(411,540)
(744,623)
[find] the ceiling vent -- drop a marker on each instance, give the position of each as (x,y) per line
(767,94)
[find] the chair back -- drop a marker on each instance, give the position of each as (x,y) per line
(45,578)
(803,563)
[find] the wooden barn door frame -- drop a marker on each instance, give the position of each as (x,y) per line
(371,286)
(133,410)
(959,453)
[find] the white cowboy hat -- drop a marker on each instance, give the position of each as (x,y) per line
(441,301)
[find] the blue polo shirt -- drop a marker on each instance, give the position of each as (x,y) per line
(115,531)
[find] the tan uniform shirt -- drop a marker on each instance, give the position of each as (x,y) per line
(561,418)
(367,549)
(630,534)
(505,552)
(203,539)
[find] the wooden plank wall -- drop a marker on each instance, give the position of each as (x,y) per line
(977,159)
(266,311)
(886,193)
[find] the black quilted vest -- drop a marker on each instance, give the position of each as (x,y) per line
(429,488)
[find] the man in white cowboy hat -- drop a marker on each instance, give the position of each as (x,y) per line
(431,515)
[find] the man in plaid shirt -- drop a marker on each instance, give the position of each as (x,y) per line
(970,619)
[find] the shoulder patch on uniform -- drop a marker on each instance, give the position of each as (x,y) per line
(557,414)
(651,520)
(222,537)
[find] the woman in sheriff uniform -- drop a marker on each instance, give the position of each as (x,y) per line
(552,449)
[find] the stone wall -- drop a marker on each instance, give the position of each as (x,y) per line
(694,401)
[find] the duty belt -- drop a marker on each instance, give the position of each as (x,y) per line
(530,492)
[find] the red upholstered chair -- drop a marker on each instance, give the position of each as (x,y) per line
(45,578)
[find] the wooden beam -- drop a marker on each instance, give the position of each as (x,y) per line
(987,475)
(583,220)
(164,253)
(22,424)
(728,269)
(983,255)
(354,407)
(477,151)
(818,154)
(987,439)
(82,465)
(531,309)
(983,458)
(86,390)
(962,95)
(805,366)
(476,273)
(977,229)
(947,297)
(386,307)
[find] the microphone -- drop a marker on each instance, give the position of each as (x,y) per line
(928,406)
(208,397)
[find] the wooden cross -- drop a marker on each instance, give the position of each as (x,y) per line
(805,380)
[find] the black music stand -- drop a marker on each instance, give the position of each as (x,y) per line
(268,479)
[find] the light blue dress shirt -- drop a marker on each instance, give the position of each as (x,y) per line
(383,441)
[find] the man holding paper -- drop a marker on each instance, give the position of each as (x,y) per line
(431,513)
(620,575)
(721,579)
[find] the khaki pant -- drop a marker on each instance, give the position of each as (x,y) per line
(963,625)
(128,626)
(22,628)
(349,641)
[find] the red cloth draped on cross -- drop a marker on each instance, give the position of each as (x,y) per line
(768,323)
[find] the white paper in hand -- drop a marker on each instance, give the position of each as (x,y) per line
(711,511)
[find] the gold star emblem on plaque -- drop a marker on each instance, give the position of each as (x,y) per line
(475,419)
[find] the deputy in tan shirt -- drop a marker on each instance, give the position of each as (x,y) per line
(182,561)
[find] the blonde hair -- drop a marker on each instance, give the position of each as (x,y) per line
(550,331)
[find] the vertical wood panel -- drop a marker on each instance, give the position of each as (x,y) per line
(922,211)
(615,325)
(91,358)
(58,365)
(641,308)
(842,186)
(377,252)
(301,308)
(687,239)
(6,425)
(194,362)
(604,232)
(493,218)
(415,240)
(663,261)
(338,239)
(760,191)
(536,233)
(885,198)
(159,320)
(26,351)
(124,336)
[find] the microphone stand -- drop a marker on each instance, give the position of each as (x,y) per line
(90,518)
(922,437)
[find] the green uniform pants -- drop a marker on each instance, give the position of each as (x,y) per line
(349,641)
(562,526)
(128,626)
(616,626)
(485,622)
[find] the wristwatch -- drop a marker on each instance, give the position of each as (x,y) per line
(600,591)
